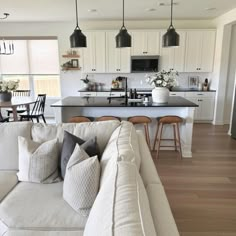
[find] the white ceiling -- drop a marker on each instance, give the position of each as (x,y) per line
(64,10)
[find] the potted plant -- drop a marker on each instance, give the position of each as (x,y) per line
(6,86)
(163,82)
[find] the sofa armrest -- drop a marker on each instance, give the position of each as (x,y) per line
(161,213)
(148,170)
(8,180)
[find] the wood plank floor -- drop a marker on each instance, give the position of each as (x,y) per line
(202,190)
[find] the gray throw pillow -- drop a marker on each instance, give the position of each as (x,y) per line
(69,142)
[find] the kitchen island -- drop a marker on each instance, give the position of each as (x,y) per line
(100,106)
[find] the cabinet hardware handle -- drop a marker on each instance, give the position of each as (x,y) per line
(200,94)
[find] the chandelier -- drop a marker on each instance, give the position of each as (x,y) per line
(6,48)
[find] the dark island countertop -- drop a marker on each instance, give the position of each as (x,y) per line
(176,101)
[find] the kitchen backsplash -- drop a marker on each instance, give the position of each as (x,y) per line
(137,80)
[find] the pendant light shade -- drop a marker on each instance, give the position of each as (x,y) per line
(171,37)
(77,39)
(123,39)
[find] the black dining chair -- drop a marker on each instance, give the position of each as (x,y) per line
(37,111)
(19,93)
(6,119)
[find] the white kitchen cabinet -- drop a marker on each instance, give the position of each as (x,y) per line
(173,58)
(110,94)
(94,55)
(145,43)
(181,94)
(117,59)
(206,105)
(200,50)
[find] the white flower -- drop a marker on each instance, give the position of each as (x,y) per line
(164,84)
(7,86)
(159,81)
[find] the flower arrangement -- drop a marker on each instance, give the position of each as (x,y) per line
(163,78)
(8,85)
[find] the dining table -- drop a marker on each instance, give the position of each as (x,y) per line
(16,102)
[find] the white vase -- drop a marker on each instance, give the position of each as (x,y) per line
(160,95)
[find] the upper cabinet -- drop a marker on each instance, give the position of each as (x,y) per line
(145,43)
(173,58)
(200,50)
(94,55)
(118,59)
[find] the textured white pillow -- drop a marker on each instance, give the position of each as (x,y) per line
(81,182)
(38,162)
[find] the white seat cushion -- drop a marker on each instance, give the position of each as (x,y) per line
(38,207)
(121,207)
(161,213)
(8,180)
(44,233)
(9,143)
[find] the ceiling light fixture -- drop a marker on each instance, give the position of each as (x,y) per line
(6,48)
(123,38)
(77,39)
(171,37)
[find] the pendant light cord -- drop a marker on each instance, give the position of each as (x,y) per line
(123,25)
(171,15)
(77,23)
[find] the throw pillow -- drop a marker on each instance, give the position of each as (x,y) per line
(38,162)
(81,181)
(90,146)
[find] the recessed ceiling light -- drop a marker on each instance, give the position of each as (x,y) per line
(210,9)
(150,9)
(92,10)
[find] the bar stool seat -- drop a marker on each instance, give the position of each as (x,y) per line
(136,120)
(105,118)
(168,120)
(79,119)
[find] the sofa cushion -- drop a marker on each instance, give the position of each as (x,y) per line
(8,180)
(38,162)
(44,233)
(102,130)
(81,181)
(126,210)
(9,143)
(148,170)
(39,207)
(69,142)
(161,213)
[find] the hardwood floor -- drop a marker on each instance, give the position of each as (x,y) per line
(202,190)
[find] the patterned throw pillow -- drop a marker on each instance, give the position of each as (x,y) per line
(38,162)
(90,146)
(81,181)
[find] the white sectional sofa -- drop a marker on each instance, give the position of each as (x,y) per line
(131,200)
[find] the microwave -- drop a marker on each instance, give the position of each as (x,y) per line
(143,64)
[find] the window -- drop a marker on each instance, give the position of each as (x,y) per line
(36,64)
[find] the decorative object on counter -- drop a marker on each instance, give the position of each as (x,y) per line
(123,39)
(6,86)
(171,37)
(6,49)
(86,83)
(121,81)
(200,86)
(77,39)
(163,81)
(206,85)
(115,84)
(193,82)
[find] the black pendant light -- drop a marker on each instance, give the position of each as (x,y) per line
(171,37)
(77,39)
(123,39)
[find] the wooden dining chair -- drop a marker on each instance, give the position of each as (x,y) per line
(6,119)
(19,93)
(37,111)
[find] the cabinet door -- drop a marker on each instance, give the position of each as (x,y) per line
(139,43)
(153,43)
(208,51)
(88,55)
(125,60)
(197,111)
(207,108)
(193,51)
(99,52)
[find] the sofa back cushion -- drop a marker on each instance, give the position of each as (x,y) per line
(121,207)
(9,143)
(102,130)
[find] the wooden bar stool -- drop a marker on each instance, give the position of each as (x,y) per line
(104,118)
(136,120)
(79,119)
(168,120)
